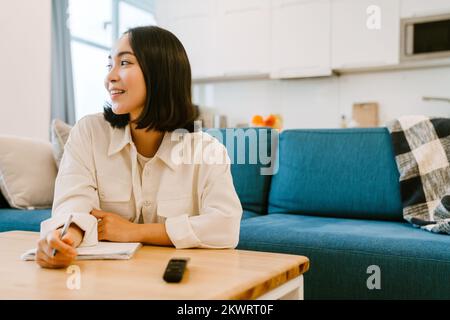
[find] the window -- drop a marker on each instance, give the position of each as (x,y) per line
(95,26)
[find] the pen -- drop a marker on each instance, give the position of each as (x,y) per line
(64,230)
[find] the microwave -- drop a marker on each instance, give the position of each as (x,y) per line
(425,37)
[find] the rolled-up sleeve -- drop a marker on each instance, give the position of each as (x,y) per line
(76,187)
(218,223)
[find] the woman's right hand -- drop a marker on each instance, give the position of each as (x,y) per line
(65,248)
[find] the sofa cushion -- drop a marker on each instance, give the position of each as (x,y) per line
(414,264)
(249,214)
(60,132)
(27,172)
(349,173)
(249,150)
(26,220)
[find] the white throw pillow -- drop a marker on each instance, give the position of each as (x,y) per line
(27,172)
(60,133)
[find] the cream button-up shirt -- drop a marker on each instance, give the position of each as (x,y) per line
(187,185)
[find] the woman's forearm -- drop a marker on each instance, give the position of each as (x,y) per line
(153,233)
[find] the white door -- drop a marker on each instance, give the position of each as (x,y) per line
(300,38)
(244,37)
(365,33)
(194,23)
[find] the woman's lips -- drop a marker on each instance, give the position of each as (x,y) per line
(116,95)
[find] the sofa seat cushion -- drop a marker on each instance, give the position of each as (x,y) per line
(26,220)
(414,264)
(29,220)
(346,173)
(246,214)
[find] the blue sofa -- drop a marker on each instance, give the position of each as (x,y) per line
(335,199)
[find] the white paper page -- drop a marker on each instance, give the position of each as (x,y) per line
(103,250)
(106,248)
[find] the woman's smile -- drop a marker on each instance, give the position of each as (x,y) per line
(116,93)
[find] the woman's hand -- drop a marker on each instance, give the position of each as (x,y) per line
(113,227)
(65,247)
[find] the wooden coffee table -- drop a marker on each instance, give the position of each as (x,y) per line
(211,274)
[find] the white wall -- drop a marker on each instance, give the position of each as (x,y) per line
(25,68)
(319,102)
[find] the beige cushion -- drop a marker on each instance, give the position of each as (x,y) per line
(60,133)
(27,172)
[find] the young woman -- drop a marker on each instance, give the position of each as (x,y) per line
(124,175)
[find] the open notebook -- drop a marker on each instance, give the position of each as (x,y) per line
(102,251)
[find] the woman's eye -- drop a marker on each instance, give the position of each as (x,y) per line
(122,63)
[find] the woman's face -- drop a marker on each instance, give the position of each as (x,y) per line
(125,80)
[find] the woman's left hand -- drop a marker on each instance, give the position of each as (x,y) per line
(113,227)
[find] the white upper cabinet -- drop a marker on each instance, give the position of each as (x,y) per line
(243,37)
(194,23)
(418,8)
(365,33)
(290,38)
(300,38)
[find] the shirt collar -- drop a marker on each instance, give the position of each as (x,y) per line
(121,137)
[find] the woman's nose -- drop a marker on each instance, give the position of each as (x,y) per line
(110,78)
(112,75)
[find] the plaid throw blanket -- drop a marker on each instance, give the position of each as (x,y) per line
(422,152)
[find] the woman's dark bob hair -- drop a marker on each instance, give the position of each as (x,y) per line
(167,75)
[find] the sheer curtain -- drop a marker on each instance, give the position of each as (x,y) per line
(62,91)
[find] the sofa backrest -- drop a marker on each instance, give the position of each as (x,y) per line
(248,149)
(347,173)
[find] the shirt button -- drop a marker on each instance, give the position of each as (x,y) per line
(147,203)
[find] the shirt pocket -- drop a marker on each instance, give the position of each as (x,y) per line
(115,195)
(173,207)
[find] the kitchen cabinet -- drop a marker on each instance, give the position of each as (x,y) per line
(364,33)
(194,23)
(300,45)
(243,37)
(418,8)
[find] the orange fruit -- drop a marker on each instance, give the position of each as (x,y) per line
(270,120)
(257,120)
